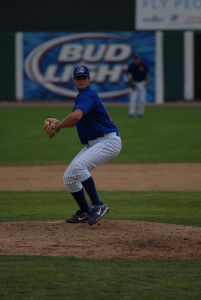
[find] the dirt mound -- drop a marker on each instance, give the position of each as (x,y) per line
(106,240)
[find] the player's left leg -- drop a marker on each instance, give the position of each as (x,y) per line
(142,99)
(132,102)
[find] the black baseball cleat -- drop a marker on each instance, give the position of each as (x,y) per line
(78,217)
(98,211)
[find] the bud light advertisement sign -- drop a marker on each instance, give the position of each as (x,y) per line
(49,60)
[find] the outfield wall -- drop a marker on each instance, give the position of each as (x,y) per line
(46,61)
(173,59)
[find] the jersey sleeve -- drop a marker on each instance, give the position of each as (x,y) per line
(85,104)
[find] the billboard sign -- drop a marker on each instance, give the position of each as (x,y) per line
(168,14)
(49,60)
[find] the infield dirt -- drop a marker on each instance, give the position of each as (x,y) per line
(122,177)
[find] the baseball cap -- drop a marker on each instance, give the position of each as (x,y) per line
(81,70)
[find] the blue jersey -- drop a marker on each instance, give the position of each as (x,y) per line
(95,121)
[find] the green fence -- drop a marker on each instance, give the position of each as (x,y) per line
(7,63)
(173,57)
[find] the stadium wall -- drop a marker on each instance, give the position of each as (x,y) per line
(173,58)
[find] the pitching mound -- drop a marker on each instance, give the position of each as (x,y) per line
(106,240)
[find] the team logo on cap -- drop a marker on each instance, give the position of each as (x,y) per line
(80,70)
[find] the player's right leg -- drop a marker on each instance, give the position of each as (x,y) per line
(132,103)
(76,189)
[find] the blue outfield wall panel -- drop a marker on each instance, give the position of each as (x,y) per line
(7,63)
(173,50)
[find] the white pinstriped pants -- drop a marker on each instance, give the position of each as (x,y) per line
(96,153)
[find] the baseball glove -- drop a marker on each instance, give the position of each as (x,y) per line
(131,84)
(49,127)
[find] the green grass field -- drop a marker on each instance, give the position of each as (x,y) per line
(165,207)
(59,278)
(166,134)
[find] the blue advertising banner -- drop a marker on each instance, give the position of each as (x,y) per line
(49,59)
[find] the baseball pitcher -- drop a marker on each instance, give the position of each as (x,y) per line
(101,142)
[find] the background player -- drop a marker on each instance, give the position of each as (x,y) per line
(101,141)
(138,80)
